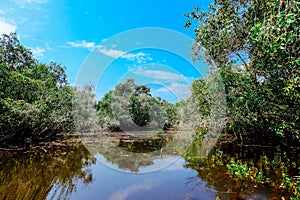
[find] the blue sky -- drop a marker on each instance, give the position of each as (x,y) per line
(78,33)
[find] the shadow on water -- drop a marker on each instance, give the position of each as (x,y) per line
(33,174)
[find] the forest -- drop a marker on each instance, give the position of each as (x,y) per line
(254,46)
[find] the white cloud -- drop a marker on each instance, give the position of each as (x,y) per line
(82,44)
(6,28)
(37,1)
(139,57)
(125,193)
(179,90)
(30,4)
(38,52)
(111,52)
(160,74)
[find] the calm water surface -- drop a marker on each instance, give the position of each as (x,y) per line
(73,172)
(172,182)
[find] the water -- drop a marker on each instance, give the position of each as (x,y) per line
(169,183)
(73,172)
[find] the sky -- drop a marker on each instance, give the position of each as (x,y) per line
(105,42)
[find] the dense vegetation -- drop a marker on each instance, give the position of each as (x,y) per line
(37,104)
(130,106)
(35,99)
(255,47)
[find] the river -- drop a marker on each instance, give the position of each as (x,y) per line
(131,171)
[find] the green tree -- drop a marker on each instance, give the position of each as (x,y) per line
(254,45)
(13,54)
(35,99)
(130,106)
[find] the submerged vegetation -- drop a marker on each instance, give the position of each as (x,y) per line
(249,168)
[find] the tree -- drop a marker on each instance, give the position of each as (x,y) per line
(13,54)
(255,47)
(130,106)
(35,100)
(84,110)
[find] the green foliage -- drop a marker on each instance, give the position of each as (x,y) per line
(35,100)
(13,54)
(278,171)
(131,107)
(140,107)
(243,171)
(238,169)
(255,46)
(200,91)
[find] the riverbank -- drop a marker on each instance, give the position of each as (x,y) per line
(43,145)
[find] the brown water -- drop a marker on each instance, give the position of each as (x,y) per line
(72,172)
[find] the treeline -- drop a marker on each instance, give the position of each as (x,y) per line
(255,47)
(131,107)
(38,104)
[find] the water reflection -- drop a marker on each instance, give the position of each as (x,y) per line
(33,174)
(75,173)
(138,152)
(168,183)
(269,160)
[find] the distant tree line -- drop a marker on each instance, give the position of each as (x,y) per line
(37,103)
(130,106)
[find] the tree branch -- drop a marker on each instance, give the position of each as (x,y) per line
(244,62)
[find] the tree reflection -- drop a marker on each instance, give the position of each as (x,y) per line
(131,153)
(143,145)
(212,171)
(125,154)
(32,175)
